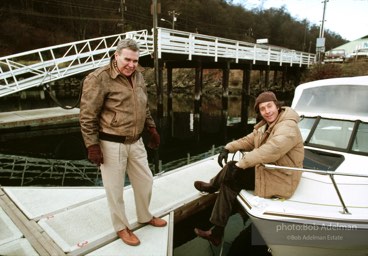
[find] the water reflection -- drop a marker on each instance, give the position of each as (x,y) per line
(181,132)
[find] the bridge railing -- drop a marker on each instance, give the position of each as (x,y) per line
(33,68)
(38,67)
(193,44)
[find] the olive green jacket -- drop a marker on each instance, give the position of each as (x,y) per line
(281,144)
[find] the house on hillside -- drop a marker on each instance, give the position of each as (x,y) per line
(353,50)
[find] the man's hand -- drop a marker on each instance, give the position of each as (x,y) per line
(223,156)
(154,141)
(234,167)
(95,154)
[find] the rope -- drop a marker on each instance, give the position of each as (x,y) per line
(47,88)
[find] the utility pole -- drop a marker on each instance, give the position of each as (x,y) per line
(155,41)
(158,70)
(155,10)
(322,29)
(122,10)
(174,14)
(320,44)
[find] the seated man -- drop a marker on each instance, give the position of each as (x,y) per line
(275,139)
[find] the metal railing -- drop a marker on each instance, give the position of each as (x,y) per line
(25,171)
(329,173)
(192,44)
(34,68)
(41,66)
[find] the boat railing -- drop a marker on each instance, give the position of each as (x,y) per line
(331,174)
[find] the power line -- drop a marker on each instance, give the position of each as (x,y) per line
(55,3)
(38,14)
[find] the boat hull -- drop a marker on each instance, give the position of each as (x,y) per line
(307,237)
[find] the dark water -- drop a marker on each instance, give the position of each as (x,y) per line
(68,144)
(180,135)
(240,238)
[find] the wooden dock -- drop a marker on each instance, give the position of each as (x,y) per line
(38,117)
(76,220)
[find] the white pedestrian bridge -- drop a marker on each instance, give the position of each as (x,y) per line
(38,67)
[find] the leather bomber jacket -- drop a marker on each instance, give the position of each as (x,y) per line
(110,104)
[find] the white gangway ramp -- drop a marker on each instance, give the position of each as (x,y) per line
(77,219)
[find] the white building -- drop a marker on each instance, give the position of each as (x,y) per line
(354,49)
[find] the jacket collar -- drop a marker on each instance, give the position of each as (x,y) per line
(113,71)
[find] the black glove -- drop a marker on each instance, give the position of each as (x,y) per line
(223,156)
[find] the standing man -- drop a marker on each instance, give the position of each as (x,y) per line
(113,114)
(275,139)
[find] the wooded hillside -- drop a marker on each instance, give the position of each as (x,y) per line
(31,24)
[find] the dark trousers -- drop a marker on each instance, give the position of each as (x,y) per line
(229,184)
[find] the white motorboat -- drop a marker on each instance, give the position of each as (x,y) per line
(328,213)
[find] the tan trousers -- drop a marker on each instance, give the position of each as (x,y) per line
(130,159)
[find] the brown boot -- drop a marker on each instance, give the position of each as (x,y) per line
(128,237)
(213,235)
(204,187)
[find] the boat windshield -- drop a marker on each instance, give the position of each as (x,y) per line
(342,135)
(334,99)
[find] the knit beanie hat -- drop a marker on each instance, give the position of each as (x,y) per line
(264,97)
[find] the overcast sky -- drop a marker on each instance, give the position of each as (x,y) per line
(348,18)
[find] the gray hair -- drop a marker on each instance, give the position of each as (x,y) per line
(127,43)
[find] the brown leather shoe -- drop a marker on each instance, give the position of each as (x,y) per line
(128,237)
(157,222)
(204,187)
(215,240)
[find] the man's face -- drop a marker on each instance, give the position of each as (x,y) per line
(269,111)
(127,61)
